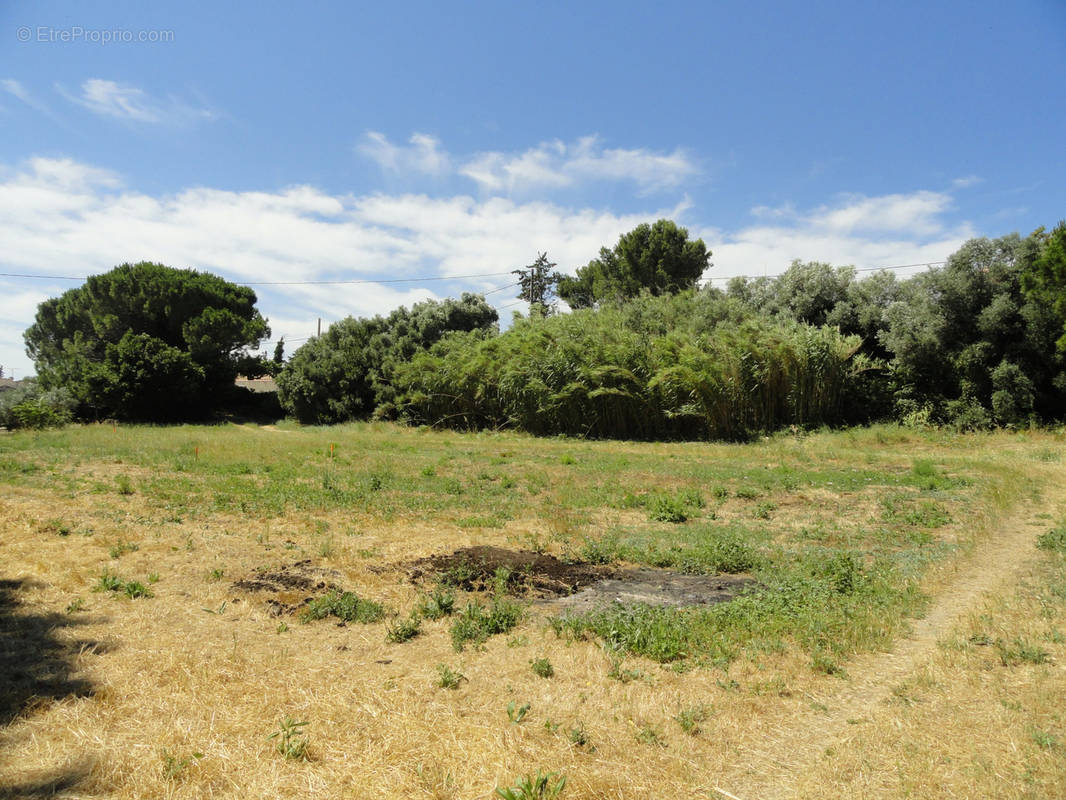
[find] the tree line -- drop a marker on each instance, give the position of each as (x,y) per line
(643,352)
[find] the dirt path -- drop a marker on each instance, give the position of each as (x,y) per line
(769,771)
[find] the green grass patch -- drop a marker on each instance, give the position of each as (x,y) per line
(476,623)
(346,606)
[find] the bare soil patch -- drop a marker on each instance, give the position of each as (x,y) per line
(576,585)
(292,586)
(657,587)
(479,568)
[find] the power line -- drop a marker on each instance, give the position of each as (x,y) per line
(426,279)
(371,280)
(290,283)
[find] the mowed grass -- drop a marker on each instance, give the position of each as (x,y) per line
(175,691)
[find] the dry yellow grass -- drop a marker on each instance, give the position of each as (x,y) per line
(181,691)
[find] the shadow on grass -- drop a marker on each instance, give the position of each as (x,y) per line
(47,784)
(36,666)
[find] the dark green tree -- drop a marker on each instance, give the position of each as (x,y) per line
(538,284)
(969,346)
(659,259)
(145,341)
(347,372)
(1044,276)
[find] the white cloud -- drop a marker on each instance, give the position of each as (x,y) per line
(422,155)
(861,231)
(549,165)
(17,90)
(23,95)
(60,217)
(557,164)
(129,103)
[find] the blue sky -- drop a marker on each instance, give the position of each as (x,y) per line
(337,141)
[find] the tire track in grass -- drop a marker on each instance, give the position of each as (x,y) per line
(769,771)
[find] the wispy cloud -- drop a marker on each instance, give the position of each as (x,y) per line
(422,154)
(21,93)
(121,101)
(549,165)
(893,229)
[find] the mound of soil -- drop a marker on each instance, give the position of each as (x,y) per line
(293,586)
(474,569)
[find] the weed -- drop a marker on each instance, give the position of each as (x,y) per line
(516,713)
(579,737)
(690,718)
(173,767)
(449,678)
(842,571)
(501,579)
(404,630)
(125,485)
(720,492)
(534,787)
(927,477)
(108,582)
(764,510)
(344,605)
(439,603)
(518,641)
(216,575)
(153,577)
(616,672)
(668,509)
(747,493)
(597,551)
(459,575)
(1020,652)
(567,460)
(283,627)
(57,526)
(325,548)
(1043,739)
(1054,540)
(291,739)
(649,735)
(428,472)
(658,633)
(134,589)
(826,664)
(121,548)
(75,605)
(476,623)
(542,668)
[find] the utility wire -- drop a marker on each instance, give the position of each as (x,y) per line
(290,283)
(425,278)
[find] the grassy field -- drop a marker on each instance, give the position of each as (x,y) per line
(139,663)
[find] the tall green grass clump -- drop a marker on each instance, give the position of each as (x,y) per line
(686,366)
